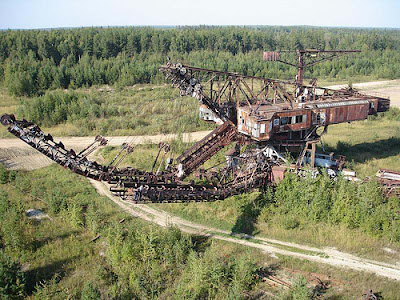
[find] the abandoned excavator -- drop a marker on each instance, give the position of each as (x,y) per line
(257,117)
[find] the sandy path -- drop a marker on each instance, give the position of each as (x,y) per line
(15,154)
(365,85)
(326,255)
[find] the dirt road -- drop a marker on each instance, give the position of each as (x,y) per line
(326,255)
(15,154)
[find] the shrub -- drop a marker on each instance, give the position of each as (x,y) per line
(298,291)
(12,230)
(4,203)
(393,114)
(289,222)
(6,176)
(90,292)
(297,200)
(12,279)
(57,107)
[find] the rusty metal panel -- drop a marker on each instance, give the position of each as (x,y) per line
(340,114)
(271,56)
(278,173)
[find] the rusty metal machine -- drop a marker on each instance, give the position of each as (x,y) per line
(259,118)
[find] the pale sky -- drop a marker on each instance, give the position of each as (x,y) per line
(25,14)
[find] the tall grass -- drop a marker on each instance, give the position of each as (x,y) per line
(130,111)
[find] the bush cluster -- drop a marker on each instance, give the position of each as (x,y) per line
(363,206)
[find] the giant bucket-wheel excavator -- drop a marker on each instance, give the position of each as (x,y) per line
(258,119)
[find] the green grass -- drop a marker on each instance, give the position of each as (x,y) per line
(342,283)
(368,145)
(56,248)
(233,214)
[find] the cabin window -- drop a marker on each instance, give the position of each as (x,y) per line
(276,122)
(284,120)
(320,118)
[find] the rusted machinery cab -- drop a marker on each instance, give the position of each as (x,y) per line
(274,122)
(268,120)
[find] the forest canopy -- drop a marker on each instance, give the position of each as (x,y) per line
(33,61)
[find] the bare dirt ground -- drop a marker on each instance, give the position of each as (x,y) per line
(272,247)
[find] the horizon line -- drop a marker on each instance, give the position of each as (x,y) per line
(199,25)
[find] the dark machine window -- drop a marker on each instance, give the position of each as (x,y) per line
(284,120)
(299,119)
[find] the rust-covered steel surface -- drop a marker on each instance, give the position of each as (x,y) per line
(390,180)
(195,156)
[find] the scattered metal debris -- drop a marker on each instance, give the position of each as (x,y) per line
(276,282)
(390,180)
(36,214)
(371,296)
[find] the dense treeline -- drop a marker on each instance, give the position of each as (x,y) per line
(36,60)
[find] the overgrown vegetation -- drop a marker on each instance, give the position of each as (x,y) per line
(300,203)
(139,111)
(318,211)
(32,61)
(131,259)
(12,279)
(363,206)
(368,145)
(55,257)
